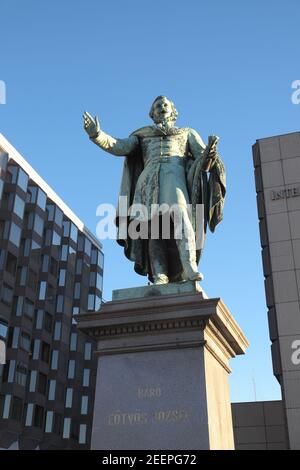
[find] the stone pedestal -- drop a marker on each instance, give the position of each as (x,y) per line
(162,380)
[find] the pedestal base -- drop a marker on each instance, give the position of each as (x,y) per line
(162,380)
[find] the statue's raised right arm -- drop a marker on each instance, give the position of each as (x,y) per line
(117,147)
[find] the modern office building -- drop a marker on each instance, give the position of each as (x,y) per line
(51,269)
(277,177)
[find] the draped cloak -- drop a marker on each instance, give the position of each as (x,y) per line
(202,189)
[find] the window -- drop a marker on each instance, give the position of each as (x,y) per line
(66,228)
(84,405)
(11,372)
(11,263)
(49,421)
(41,199)
(50,208)
(71,369)
(99,281)
(32,382)
(42,384)
(22,180)
(91,302)
(17,307)
(57,331)
(28,308)
(36,349)
(69,398)
(6,294)
(82,434)
(31,194)
(78,266)
(62,277)
(45,263)
(74,233)
(60,304)
(45,353)
(15,338)
(7,201)
(26,247)
(25,342)
(2,398)
(38,226)
(94,256)
(39,319)
(4,229)
(28,220)
(15,234)
(86,377)
(88,351)
(58,217)
(21,374)
(64,253)
(17,408)
(52,388)
(54,360)
(29,414)
(75,311)
(3,329)
(73,342)
(42,291)
(19,206)
(22,275)
(38,416)
(87,247)
(55,238)
(97,303)
(100,260)
(67,428)
(80,243)
(6,407)
(77,290)
(48,237)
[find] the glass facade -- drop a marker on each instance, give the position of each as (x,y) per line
(50,271)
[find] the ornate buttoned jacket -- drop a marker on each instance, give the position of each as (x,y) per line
(148,148)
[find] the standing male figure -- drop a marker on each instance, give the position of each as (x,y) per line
(167,165)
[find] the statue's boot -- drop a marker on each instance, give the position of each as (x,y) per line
(158,261)
(187,254)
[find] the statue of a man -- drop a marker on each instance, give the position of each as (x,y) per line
(165,164)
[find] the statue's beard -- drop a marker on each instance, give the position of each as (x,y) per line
(165,122)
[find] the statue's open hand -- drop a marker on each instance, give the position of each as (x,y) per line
(91,125)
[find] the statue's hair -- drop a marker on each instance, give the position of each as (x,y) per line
(174,110)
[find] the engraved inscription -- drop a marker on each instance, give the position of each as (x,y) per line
(138,418)
(149,392)
(171,415)
(121,419)
(285,193)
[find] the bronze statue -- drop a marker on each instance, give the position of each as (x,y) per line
(167,165)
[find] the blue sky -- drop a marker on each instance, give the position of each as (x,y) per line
(228,66)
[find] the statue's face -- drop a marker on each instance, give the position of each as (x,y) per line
(162,110)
